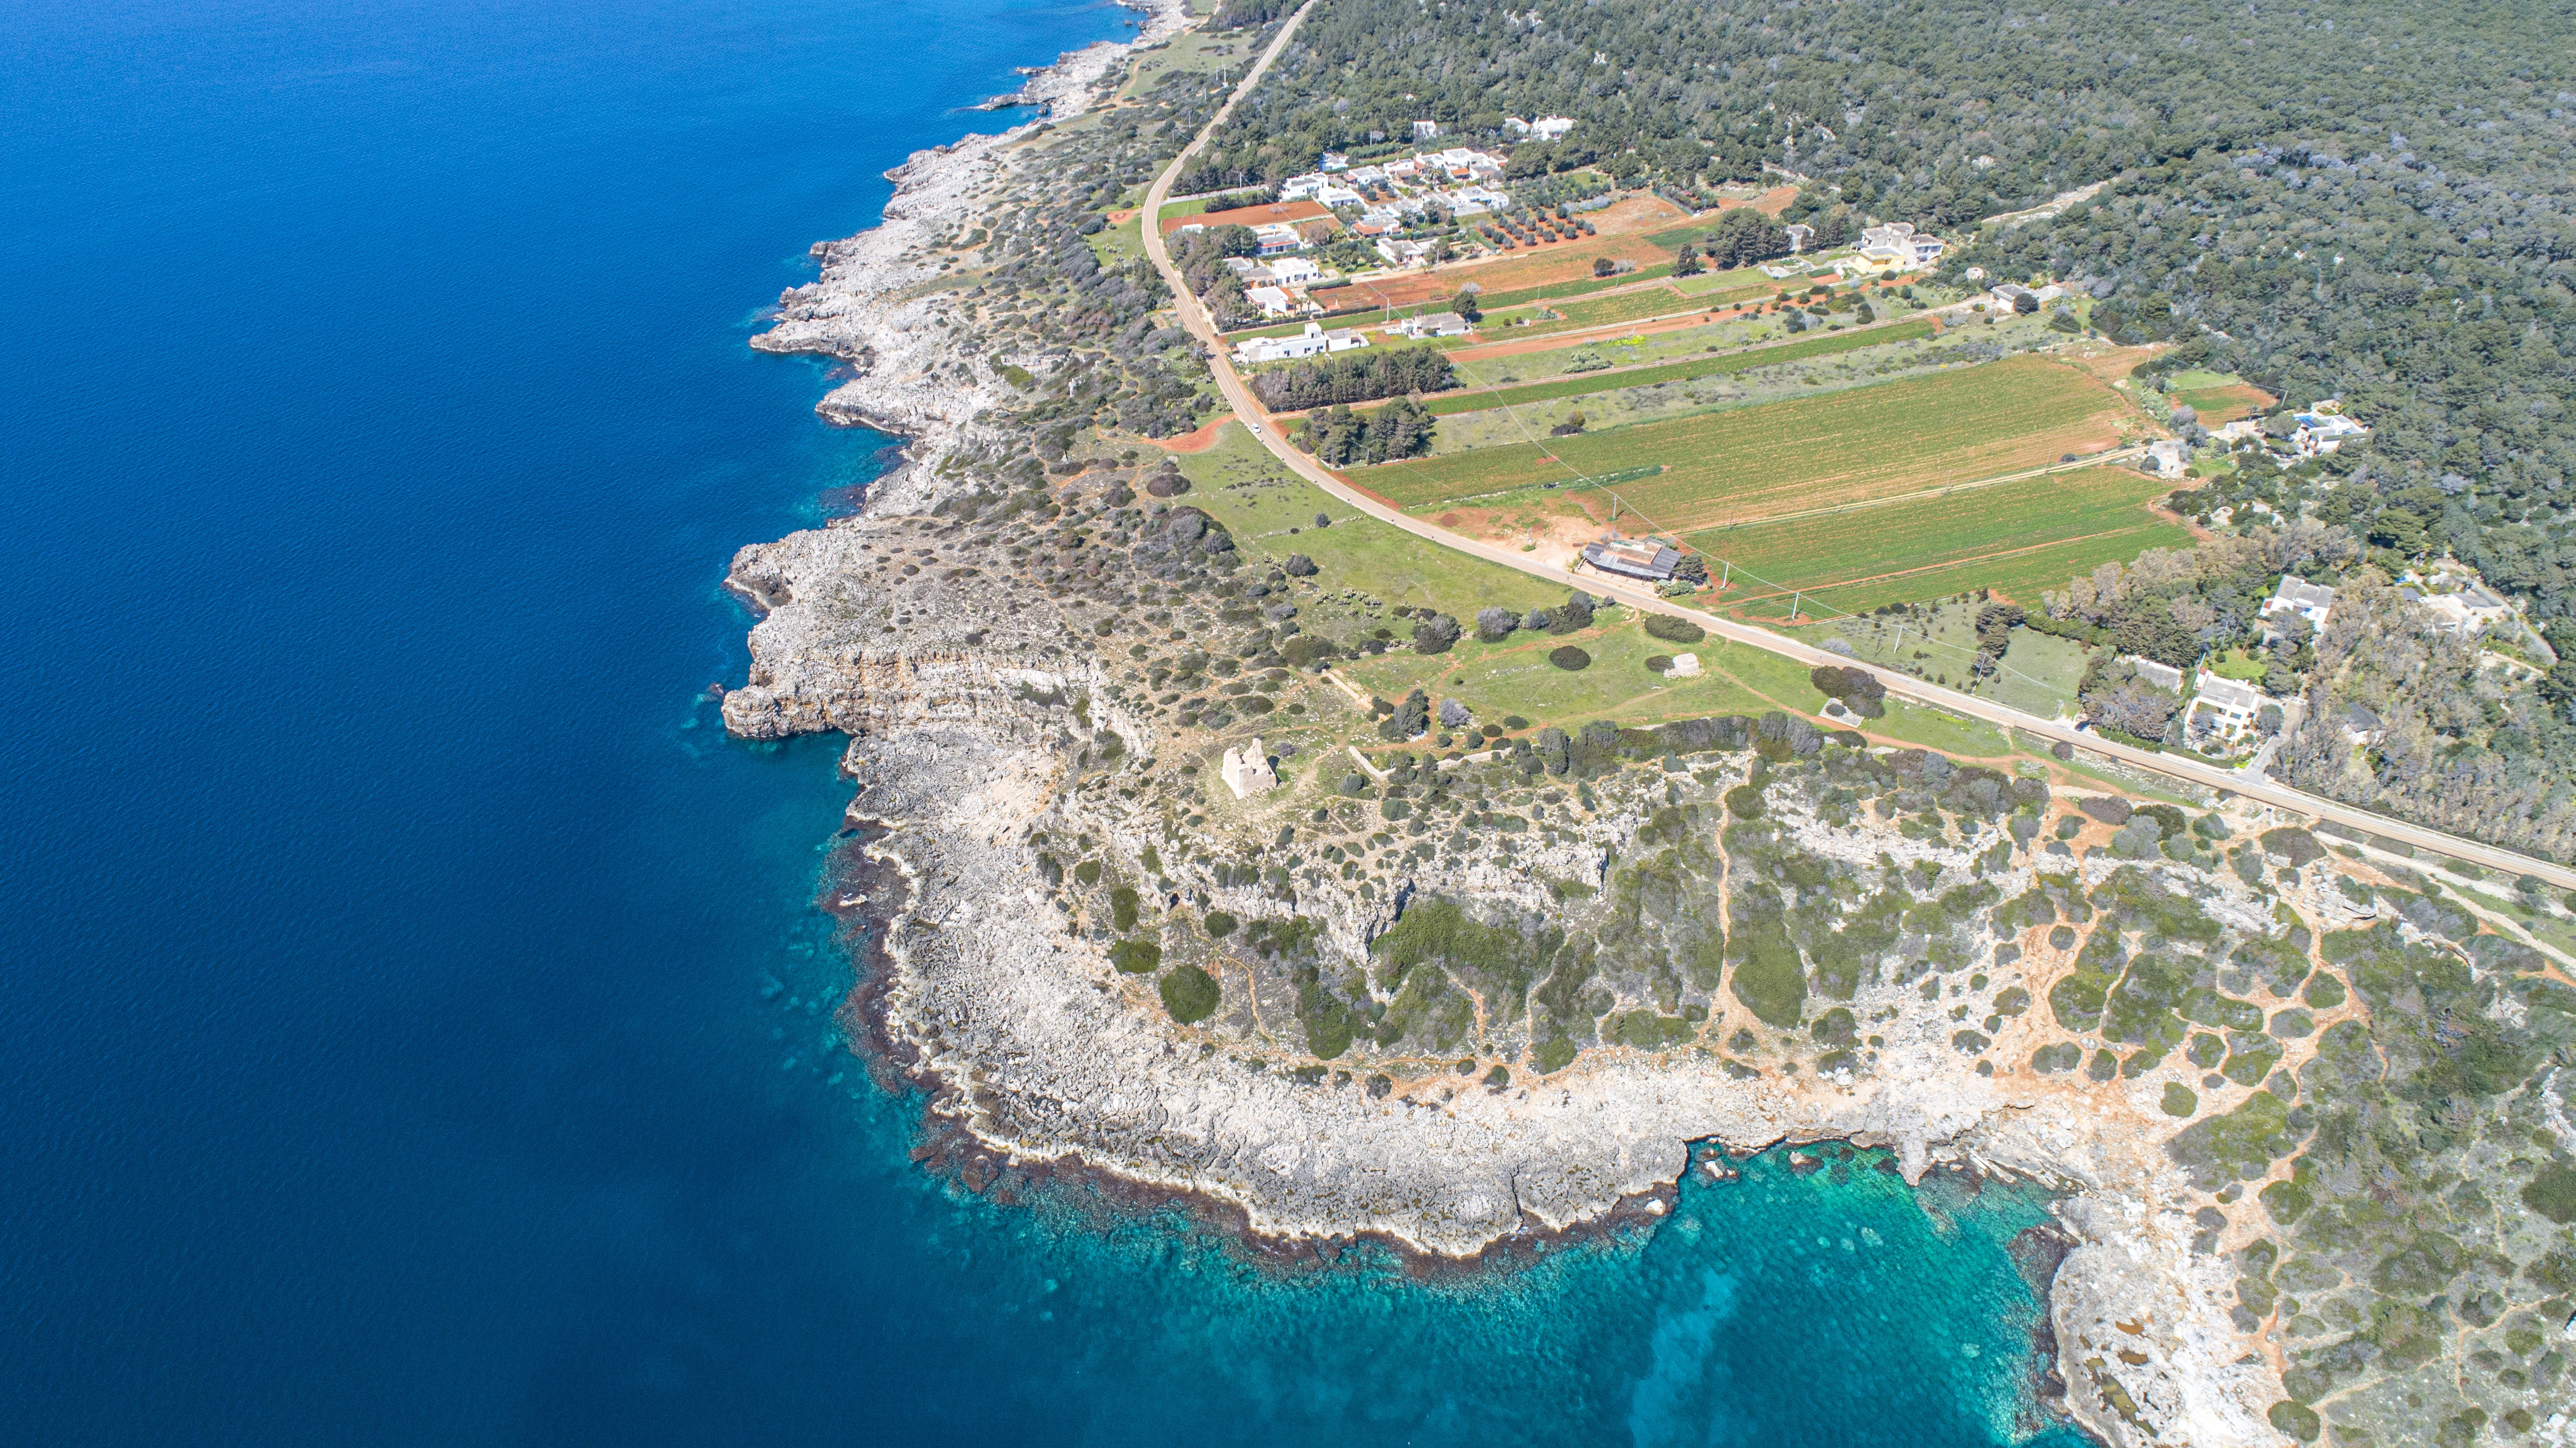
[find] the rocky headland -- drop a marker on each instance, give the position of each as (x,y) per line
(1451,985)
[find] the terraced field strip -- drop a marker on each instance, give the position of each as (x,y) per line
(1585,383)
(1721,289)
(1746,464)
(2015,538)
(1581,288)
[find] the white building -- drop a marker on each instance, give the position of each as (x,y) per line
(2167,457)
(1550,128)
(1335,161)
(1277,238)
(1433,324)
(1897,244)
(1404,253)
(2223,708)
(1273,301)
(2311,601)
(1425,130)
(1312,342)
(2324,432)
(2472,610)
(1799,232)
(1294,271)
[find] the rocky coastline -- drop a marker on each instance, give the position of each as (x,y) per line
(988,730)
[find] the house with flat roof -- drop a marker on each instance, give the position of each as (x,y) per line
(1550,128)
(2321,433)
(1273,301)
(1431,324)
(2471,610)
(1635,558)
(2223,713)
(1897,244)
(1314,341)
(2311,601)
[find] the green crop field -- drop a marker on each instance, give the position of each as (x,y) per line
(1717,289)
(1746,464)
(2015,538)
(1586,383)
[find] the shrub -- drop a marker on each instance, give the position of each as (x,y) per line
(1769,978)
(1136,957)
(1435,635)
(1191,994)
(1569,658)
(1674,630)
(1122,908)
(1219,924)
(2179,1099)
(2552,1193)
(1859,689)
(1744,802)
(1659,663)
(2296,1419)
(1493,625)
(1298,566)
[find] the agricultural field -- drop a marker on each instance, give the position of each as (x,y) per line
(2015,538)
(1867,364)
(1585,383)
(1506,363)
(1745,464)
(2219,397)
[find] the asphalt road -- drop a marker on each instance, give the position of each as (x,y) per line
(1195,317)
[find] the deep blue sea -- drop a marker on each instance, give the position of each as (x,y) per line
(416,1028)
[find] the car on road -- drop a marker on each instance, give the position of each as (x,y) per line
(1256,428)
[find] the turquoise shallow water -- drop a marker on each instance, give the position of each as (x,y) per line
(416,1020)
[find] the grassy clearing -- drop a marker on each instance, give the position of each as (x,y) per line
(2013,538)
(1241,485)
(1746,464)
(1718,289)
(2039,671)
(1514,677)
(1952,734)
(1120,244)
(1581,384)
(2219,397)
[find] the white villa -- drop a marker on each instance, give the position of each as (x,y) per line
(1312,342)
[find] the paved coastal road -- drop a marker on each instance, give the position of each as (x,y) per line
(1194,316)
